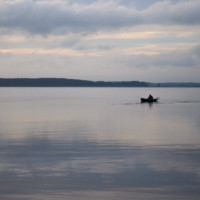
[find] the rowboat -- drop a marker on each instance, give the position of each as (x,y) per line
(149,100)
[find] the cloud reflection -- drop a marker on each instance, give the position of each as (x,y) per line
(46,165)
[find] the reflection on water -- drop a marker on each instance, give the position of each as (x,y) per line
(150,104)
(40,166)
(89,144)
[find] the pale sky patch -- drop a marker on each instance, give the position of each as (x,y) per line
(132,35)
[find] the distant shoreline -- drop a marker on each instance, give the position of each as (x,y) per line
(63,82)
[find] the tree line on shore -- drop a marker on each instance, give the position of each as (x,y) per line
(62,82)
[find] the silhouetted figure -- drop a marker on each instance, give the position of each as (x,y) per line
(150,96)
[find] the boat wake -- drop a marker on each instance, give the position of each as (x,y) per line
(185,102)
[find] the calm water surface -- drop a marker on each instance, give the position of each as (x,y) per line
(99,143)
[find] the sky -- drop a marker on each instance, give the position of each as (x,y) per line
(101,40)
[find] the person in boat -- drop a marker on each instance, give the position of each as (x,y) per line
(150,96)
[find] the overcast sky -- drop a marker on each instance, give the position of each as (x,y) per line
(110,40)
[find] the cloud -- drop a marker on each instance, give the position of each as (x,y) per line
(182,13)
(196,50)
(69,42)
(5,55)
(61,17)
(176,58)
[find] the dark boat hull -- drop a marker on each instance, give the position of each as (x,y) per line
(148,100)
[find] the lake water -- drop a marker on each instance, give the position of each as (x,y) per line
(99,144)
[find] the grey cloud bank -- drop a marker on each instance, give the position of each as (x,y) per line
(60,17)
